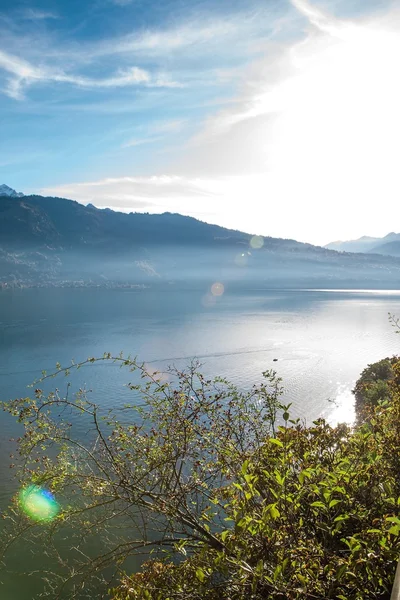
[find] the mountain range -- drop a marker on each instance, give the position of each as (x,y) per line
(388,245)
(48,241)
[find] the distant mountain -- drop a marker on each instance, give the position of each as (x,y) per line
(388,245)
(53,241)
(388,249)
(7,191)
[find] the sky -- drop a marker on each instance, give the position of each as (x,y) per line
(274,117)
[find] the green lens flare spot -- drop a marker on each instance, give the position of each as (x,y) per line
(257,242)
(38,503)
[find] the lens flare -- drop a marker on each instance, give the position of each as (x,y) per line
(208,300)
(241,259)
(257,242)
(217,289)
(38,503)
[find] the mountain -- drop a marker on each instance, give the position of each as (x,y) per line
(363,244)
(388,248)
(7,191)
(54,242)
(388,245)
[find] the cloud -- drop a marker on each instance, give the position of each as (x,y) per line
(192,48)
(122,2)
(317,17)
(140,141)
(152,42)
(202,34)
(157,193)
(155,132)
(25,74)
(33,14)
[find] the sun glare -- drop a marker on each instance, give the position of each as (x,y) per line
(340,109)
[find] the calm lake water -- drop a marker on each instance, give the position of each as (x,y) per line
(322,340)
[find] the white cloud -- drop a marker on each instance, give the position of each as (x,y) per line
(24,74)
(317,17)
(129,193)
(190,49)
(140,141)
(167,40)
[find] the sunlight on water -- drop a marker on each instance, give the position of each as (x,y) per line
(355,291)
(344,411)
(37,503)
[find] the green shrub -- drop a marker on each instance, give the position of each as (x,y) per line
(373,386)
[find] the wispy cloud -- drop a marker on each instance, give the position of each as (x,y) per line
(140,141)
(317,17)
(155,132)
(189,48)
(122,2)
(152,42)
(24,74)
(161,193)
(33,14)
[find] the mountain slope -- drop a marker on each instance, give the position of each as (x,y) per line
(368,244)
(54,241)
(388,249)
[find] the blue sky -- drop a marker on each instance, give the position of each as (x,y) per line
(278,117)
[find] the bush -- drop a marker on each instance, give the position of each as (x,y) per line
(373,386)
(316,516)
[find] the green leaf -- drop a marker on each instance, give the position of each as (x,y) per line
(341,518)
(259,568)
(277,572)
(394,530)
(340,572)
(275,441)
(274,512)
(200,574)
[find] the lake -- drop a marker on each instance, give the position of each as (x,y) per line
(322,340)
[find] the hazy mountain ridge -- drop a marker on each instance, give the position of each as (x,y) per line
(55,241)
(387,245)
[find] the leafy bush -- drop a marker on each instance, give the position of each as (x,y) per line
(373,386)
(316,516)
